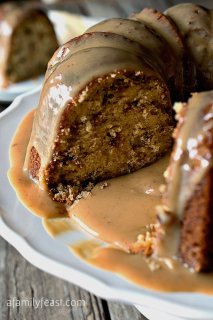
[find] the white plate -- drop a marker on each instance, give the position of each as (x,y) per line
(25,232)
(12,91)
(66,26)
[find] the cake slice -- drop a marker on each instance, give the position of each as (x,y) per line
(186,217)
(104,111)
(27,42)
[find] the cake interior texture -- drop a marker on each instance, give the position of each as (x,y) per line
(196,243)
(121,124)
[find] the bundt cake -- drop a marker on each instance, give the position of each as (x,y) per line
(27,42)
(186,216)
(105,111)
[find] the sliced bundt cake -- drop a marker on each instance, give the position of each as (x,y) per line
(186,216)
(105,111)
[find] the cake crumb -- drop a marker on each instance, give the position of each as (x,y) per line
(82,195)
(85,194)
(104,185)
(145,241)
(83,119)
(89,187)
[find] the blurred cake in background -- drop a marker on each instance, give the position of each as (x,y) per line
(27,42)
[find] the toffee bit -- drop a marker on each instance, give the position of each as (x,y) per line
(88,126)
(145,241)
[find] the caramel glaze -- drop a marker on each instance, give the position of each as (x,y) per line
(168,275)
(141,33)
(98,212)
(104,40)
(113,210)
(34,198)
(165,276)
(57,226)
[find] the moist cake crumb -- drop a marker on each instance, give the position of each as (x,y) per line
(104,185)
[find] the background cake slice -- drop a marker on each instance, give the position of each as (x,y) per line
(27,42)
